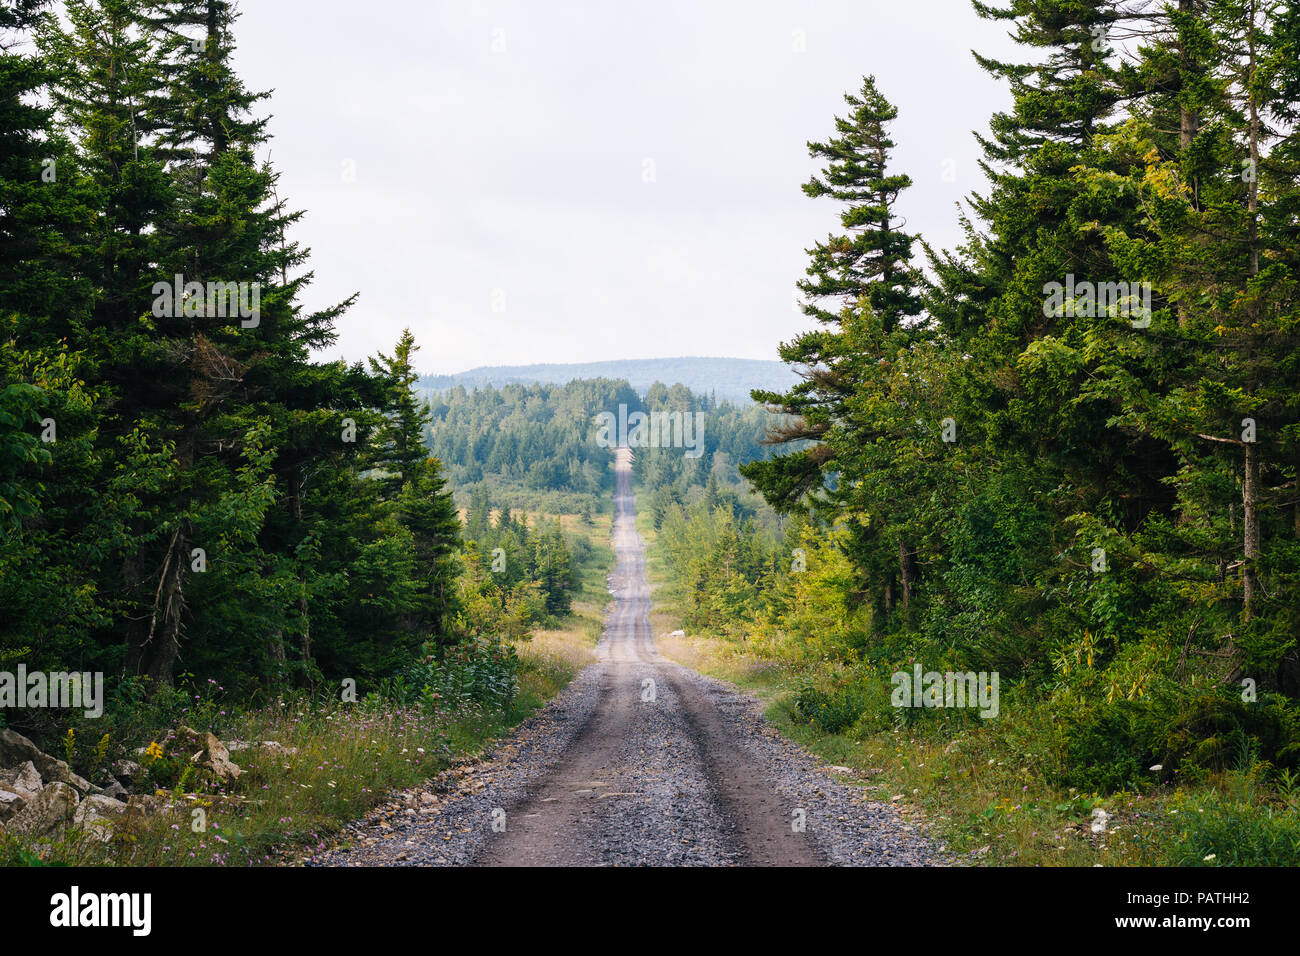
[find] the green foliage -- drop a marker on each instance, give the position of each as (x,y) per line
(188,498)
(1214,830)
(1093,498)
(834,709)
(533,438)
(481,673)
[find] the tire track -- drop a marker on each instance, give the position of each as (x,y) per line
(642,762)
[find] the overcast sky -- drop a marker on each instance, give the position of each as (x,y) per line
(554,181)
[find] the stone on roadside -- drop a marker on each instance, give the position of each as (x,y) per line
(95,813)
(15,750)
(50,809)
(207,753)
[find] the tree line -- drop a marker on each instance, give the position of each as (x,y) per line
(185,492)
(1068,449)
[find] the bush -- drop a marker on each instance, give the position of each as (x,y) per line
(478,674)
(835,709)
(1213,830)
(1111,746)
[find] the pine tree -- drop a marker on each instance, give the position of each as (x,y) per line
(869,272)
(399,447)
(871,266)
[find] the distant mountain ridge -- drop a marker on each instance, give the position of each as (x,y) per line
(727,378)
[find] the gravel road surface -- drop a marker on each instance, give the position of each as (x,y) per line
(638,762)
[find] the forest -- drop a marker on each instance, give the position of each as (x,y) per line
(191,502)
(1067,451)
(537,446)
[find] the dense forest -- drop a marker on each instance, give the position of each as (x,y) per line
(538,446)
(184,489)
(187,496)
(526,439)
(1068,450)
(721,379)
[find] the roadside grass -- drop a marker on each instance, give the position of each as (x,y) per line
(981,788)
(337,761)
(334,761)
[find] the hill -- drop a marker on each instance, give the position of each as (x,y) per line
(728,378)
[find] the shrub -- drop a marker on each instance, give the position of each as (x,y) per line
(1111,746)
(1213,830)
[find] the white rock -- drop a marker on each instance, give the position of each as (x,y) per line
(128,769)
(48,810)
(95,813)
(24,780)
(10,803)
(15,750)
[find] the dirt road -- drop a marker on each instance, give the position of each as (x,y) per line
(641,761)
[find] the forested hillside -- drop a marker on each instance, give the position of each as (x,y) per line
(722,379)
(531,446)
(1062,460)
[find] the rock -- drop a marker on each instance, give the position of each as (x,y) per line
(24,780)
(270,746)
(208,753)
(10,803)
(15,750)
(50,809)
(127,769)
(115,790)
(150,804)
(95,815)
(144,804)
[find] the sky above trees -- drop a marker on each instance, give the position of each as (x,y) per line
(477,170)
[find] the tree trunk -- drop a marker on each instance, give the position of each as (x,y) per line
(1250,531)
(275,654)
(304,635)
(169,604)
(1253,185)
(1188,122)
(906,573)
